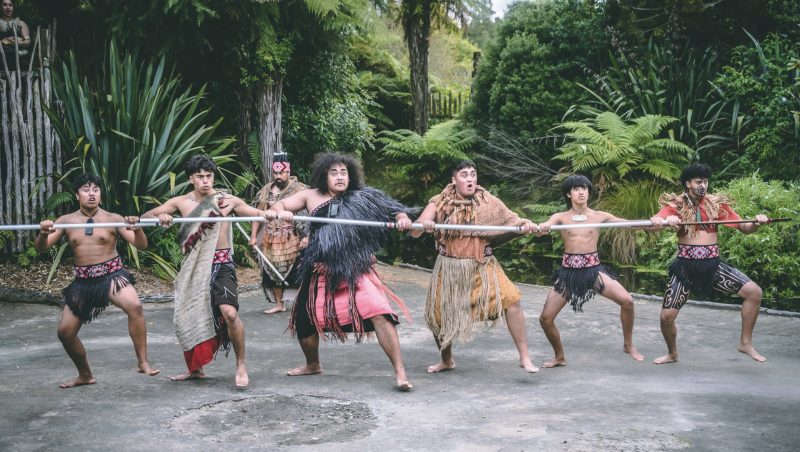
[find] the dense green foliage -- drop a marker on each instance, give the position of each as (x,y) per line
(133,126)
(761,89)
(527,78)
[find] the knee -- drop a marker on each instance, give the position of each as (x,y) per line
(752,291)
(65,334)
(546,320)
(626,302)
(231,316)
(668,317)
(135,310)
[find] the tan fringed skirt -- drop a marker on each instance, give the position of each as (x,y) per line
(281,247)
(463,292)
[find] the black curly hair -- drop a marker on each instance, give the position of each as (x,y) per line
(199,163)
(693,171)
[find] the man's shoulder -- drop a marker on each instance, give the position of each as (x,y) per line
(67,217)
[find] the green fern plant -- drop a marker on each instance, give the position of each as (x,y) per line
(615,151)
(425,161)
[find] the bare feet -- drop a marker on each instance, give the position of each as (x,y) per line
(633,352)
(751,352)
(144,368)
(196,375)
(308,369)
(668,358)
(78,381)
(242,380)
(280,308)
(527,364)
(404,385)
(441,367)
(555,362)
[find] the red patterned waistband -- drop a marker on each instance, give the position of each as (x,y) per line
(487,251)
(698,251)
(580,260)
(223,256)
(98,270)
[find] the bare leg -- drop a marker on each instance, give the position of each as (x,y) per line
(515,321)
(616,293)
(128,300)
(277,292)
(670,332)
(68,328)
(447,362)
(751,293)
(553,304)
(236,332)
(387,337)
(310,347)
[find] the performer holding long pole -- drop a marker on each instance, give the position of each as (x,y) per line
(148,222)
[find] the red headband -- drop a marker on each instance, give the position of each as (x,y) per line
(278,167)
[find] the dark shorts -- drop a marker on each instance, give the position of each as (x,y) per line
(224,285)
(700,271)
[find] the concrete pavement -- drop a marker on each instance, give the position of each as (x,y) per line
(714,398)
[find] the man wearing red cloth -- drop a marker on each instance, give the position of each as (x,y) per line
(697,266)
(340,291)
(206,296)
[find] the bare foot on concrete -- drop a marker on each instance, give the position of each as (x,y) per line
(276,309)
(633,352)
(404,385)
(527,364)
(308,369)
(78,381)
(668,358)
(555,362)
(196,375)
(242,380)
(751,352)
(441,367)
(145,368)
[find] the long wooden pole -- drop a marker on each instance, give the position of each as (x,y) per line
(151,222)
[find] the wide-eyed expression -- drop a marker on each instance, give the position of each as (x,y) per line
(338,179)
(697,187)
(88,196)
(466,181)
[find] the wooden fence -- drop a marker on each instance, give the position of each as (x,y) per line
(31,151)
(446,104)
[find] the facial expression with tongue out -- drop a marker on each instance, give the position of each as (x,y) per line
(697,188)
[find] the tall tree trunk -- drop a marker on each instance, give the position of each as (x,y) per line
(269,123)
(243,126)
(418,31)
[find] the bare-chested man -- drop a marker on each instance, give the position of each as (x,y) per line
(581,275)
(468,284)
(206,290)
(99,276)
(697,267)
(340,291)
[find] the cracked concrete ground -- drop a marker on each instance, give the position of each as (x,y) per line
(714,398)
